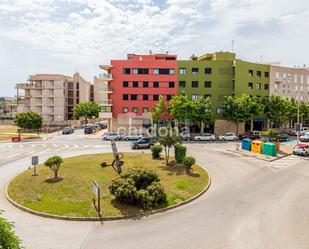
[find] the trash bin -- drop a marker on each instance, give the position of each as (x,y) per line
(277,143)
(246,144)
(256,146)
(269,149)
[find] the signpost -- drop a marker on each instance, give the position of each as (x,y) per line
(34,162)
(298,127)
(96,200)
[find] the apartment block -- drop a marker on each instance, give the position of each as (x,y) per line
(53,95)
(290,82)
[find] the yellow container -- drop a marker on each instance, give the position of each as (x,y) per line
(257,146)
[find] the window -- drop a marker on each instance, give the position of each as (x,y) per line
(171,84)
(169,97)
(143,71)
(250,72)
(219,110)
(155,71)
(135,71)
(163,71)
(195,84)
(125,97)
(155,97)
(145,110)
(207,84)
(172,71)
(194,96)
(195,71)
(182,84)
(70,93)
(250,85)
(156,84)
(145,97)
(259,86)
(135,84)
(77,86)
(125,109)
(145,84)
(70,85)
(259,73)
(182,71)
(207,96)
(125,84)
(70,102)
(208,71)
(135,109)
(266,86)
(266,74)
(126,71)
(133,96)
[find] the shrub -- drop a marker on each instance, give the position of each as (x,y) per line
(180,153)
(54,164)
(156,151)
(138,187)
(8,238)
(188,162)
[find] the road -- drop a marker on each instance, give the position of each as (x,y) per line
(251,204)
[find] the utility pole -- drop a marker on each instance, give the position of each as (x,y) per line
(233,42)
(298,121)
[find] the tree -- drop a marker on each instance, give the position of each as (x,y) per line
(276,109)
(168,138)
(160,110)
(8,238)
(181,108)
(86,110)
(28,120)
(201,111)
(54,164)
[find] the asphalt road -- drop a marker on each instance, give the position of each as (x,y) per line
(250,204)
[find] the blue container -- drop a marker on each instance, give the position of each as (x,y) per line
(246,144)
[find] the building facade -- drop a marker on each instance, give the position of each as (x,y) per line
(137,84)
(53,95)
(292,83)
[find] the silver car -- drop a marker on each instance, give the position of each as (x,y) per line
(111,136)
(205,137)
(228,137)
(133,136)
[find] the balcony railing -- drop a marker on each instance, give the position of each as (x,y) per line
(105,76)
(29,86)
(106,90)
(106,102)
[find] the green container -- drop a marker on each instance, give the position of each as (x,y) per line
(269,149)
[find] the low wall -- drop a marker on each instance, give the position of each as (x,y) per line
(223,126)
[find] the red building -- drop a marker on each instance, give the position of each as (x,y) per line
(138,82)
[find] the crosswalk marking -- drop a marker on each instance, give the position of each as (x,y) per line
(43,151)
(13,155)
(30,153)
(283,163)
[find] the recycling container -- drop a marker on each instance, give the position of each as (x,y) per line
(256,146)
(246,144)
(269,149)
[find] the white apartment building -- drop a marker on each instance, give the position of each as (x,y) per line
(289,82)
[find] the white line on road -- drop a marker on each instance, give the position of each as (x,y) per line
(29,153)
(13,155)
(43,151)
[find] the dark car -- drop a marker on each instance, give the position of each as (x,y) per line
(89,130)
(251,134)
(102,125)
(67,131)
(282,137)
(144,142)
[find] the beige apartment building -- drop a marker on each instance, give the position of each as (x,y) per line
(290,82)
(53,95)
(101,95)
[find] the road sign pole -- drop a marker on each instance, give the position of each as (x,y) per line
(34,162)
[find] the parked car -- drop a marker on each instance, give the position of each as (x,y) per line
(301,149)
(144,142)
(102,125)
(89,130)
(228,137)
(251,134)
(304,130)
(305,137)
(205,137)
(185,135)
(293,133)
(67,131)
(111,136)
(133,136)
(282,137)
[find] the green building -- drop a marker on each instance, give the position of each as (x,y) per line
(221,74)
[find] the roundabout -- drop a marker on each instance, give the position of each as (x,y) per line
(69,196)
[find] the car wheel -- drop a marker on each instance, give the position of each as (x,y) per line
(223,139)
(234,139)
(127,138)
(211,140)
(104,138)
(136,147)
(198,139)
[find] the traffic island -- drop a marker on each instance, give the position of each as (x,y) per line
(71,196)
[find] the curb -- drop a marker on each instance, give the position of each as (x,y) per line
(258,158)
(108,218)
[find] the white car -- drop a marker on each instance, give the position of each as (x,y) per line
(111,136)
(133,136)
(205,137)
(228,137)
(305,137)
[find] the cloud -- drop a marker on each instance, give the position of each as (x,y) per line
(80,34)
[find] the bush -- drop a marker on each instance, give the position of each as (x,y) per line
(156,151)
(180,153)
(8,238)
(138,187)
(54,164)
(188,162)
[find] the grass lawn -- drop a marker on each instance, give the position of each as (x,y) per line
(8,131)
(72,195)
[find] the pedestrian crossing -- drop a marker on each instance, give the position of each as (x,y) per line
(283,163)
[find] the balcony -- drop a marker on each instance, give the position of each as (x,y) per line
(106,67)
(105,76)
(106,90)
(106,102)
(29,86)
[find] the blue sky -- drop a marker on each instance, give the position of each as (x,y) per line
(64,36)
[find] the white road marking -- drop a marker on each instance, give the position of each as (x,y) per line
(55,145)
(13,155)
(29,153)
(43,151)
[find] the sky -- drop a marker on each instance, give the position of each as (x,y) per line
(65,36)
